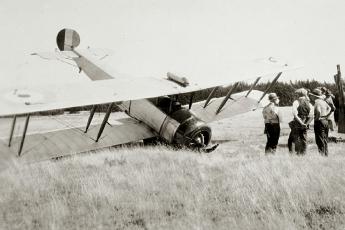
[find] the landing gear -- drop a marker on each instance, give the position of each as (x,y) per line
(198,143)
(153,141)
(210,149)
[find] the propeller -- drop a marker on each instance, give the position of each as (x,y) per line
(198,142)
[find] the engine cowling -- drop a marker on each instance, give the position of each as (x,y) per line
(192,132)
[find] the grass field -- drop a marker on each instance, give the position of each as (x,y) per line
(235,187)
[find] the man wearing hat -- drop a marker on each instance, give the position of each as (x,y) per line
(321,111)
(302,112)
(272,119)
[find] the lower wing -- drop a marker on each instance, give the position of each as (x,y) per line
(238,103)
(70,140)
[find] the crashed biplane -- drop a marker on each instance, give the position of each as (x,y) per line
(151,105)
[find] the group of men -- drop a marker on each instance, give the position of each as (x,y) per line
(307,106)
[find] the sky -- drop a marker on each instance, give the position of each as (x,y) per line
(152,37)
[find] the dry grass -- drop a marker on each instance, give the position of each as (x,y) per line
(235,187)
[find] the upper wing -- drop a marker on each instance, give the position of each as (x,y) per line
(112,86)
(21,100)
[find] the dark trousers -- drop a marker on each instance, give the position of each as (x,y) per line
(272,132)
(297,141)
(321,136)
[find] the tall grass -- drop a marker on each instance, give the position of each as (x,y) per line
(234,187)
(155,188)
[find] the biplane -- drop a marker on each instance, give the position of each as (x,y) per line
(151,106)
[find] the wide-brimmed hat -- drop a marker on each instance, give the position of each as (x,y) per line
(323,89)
(302,92)
(317,93)
(272,96)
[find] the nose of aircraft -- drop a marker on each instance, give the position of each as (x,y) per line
(199,141)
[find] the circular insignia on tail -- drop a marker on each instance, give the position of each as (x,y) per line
(67,39)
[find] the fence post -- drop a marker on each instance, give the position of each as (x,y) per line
(341,121)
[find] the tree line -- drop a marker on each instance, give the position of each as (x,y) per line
(284,90)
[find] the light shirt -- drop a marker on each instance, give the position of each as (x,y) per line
(330,102)
(271,114)
(321,109)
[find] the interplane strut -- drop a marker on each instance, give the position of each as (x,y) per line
(270,86)
(252,87)
(24,134)
(104,122)
(228,95)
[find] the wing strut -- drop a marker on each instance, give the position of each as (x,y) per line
(12,130)
(228,95)
(191,101)
(270,86)
(24,134)
(210,96)
(92,112)
(104,122)
(254,84)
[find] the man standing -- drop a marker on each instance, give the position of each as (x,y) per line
(329,99)
(302,112)
(321,111)
(272,119)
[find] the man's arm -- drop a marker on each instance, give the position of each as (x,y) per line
(311,114)
(331,105)
(280,115)
(295,112)
(264,113)
(317,111)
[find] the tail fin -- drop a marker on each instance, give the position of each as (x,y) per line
(87,60)
(67,39)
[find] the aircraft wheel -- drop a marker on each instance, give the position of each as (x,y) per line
(152,141)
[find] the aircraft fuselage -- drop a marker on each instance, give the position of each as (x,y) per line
(172,122)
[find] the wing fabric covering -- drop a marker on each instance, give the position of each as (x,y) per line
(56,143)
(110,86)
(22,100)
(238,104)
